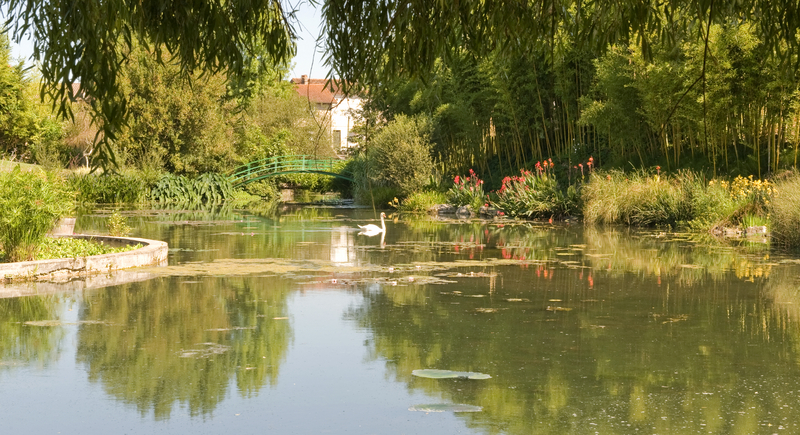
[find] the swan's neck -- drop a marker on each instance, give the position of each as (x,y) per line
(383,224)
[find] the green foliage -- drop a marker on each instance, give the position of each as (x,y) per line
(536,195)
(208,188)
(784,210)
(117,225)
(66,247)
(28,131)
(644,198)
(420,202)
(364,52)
(277,122)
(264,189)
(467,190)
(397,159)
(91,42)
(243,199)
(128,187)
(30,204)
(177,124)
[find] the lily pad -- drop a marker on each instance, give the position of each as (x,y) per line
(445,407)
(446,374)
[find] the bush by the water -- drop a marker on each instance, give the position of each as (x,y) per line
(467,190)
(30,204)
(130,188)
(419,202)
(784,211)
(398,159)
(208,188)
(685,198)
(536,194)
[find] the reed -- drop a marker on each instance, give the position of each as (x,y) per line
(784,209)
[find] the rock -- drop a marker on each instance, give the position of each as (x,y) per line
(756,230)
(464,210)
(488,211)
(444,209)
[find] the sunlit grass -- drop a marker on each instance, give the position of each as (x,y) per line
(785,212)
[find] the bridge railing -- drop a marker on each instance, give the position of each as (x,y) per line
(280,165)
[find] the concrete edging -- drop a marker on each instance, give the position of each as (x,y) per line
(152,253)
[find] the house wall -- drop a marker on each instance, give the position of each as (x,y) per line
(342,122)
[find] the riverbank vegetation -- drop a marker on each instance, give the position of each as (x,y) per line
(664,134)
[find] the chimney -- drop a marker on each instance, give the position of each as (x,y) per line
(303,79)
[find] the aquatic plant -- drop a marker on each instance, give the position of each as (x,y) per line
(66,247)
(117,225)
(208,188)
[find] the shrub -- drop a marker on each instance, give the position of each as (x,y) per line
(467,191)
(420,202)
(30,204)
(108,188)
(208,188)
(784,212)
(265,189)
(536,195)
(117,225)
(398,158)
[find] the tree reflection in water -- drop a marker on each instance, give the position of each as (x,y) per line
(178,341)
(603,331)
(22,343)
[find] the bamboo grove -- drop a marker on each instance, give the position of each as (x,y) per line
(726,106)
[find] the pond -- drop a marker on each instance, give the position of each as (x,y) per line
(292,322)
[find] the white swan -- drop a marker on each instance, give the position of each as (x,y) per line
(372,230)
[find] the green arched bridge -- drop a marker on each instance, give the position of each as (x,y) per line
(279,165)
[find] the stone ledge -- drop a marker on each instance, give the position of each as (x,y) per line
(152,253)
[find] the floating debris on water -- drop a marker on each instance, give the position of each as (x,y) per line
(448,374)
(209,350)
(488,310)
(549,308)
(445,407)
(62,323)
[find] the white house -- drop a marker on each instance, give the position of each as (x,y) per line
(333,108)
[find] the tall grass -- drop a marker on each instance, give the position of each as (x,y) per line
(682,199)
(785,212)
(420,202)
(30,204)
(128,188)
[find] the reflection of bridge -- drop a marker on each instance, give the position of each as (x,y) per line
(279,165)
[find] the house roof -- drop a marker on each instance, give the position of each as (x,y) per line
(316,90)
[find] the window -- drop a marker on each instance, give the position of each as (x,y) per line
(337,139)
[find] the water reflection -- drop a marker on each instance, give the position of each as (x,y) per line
(582,330)
(638,349)
(183,341)
(22,340)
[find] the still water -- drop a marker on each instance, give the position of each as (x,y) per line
(293,323)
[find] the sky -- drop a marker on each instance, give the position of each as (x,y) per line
(308,60)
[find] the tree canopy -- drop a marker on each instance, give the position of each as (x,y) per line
(88,41)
